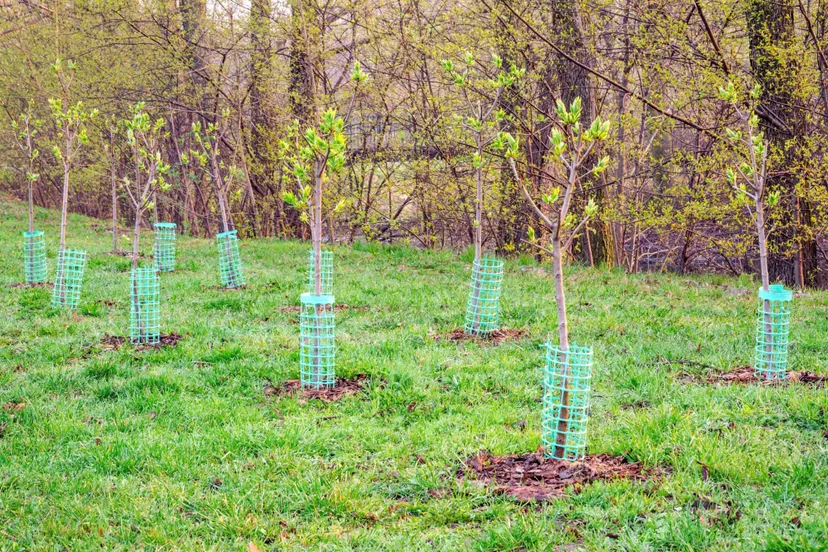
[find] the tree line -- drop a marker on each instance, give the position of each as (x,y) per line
(237,83)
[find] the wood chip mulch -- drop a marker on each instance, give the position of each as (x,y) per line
(337,308)
(532,477)
(744,375)
(44,285)
(497,337)
(115,342)
(342,388)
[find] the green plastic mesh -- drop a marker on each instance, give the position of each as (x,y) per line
(772,330)
(483,306)
(34,257)
(230,265)
(317,345)
(164,246)
(144,318)
(68,278)
(566,400)
(327,272)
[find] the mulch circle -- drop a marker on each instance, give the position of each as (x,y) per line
(44,285)
(744,375)
(337,308)
(532,477)
(342,388)
(497,337)
(115,342)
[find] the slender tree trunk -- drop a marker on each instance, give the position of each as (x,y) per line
(64,210)
(763,268)
(30,182)
(113,181)
(31,206)
(478,204)
(317,229)
(136,237)
(563,339)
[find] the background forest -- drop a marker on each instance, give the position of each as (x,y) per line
(258,72)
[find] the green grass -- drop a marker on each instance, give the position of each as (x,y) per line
(180,449)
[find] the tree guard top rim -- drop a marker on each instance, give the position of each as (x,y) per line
(311,299)
(777,292)
(165,225)
(225,234)
(34,234)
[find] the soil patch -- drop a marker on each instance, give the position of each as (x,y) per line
(531,477)
(337,308)
(115,342)
(342,388)
(222,288)
(501,335)
(122,253)
(744,375)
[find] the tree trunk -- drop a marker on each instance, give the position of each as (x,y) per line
(64,210)
(262,167)
(576,82)
(772,36)
(114,182)
(563,339)
(193,13)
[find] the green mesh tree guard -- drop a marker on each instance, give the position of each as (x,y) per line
(772,329)
(317,345)
(164,246)
(144,318)
(68,278)
(327,272)
(34,257)
(230,265)
(566,400)
(483,306)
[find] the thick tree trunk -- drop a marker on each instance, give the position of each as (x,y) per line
(575,82)
(193,13)
(261,168)
(772,35)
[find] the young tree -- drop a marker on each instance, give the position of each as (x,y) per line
(25,129)
(482,98)
(144,137)
(70,119)
(749,181)
(209,139)
(113,152)
(320,151)
(209,156)
(571,145)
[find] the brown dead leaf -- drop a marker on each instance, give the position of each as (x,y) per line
(14,407)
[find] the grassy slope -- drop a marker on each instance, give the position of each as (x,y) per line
(119,449)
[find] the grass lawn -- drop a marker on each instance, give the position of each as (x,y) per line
(182,449)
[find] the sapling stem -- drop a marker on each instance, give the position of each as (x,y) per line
(571,146)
